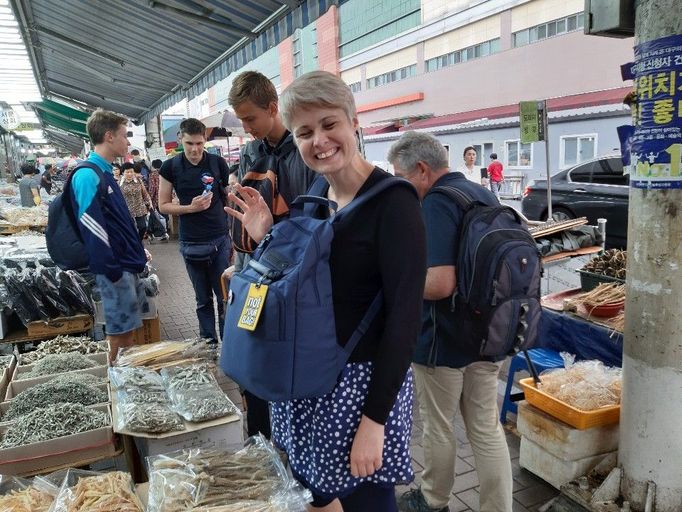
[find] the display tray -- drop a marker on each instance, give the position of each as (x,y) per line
(39,330)
(17,386)
(69,451)
(562,411)
(590,280)
(99,358)
(555,302)
(5,376)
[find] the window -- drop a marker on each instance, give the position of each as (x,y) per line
(549,29)
(575,149)
(298,54)
(605,171)
(392,76)
(355,87)
(483,151)
(472,52)
(518,154)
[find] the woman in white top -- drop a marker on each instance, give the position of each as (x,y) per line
(468,169)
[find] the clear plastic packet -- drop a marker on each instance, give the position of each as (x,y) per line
(151,285)
(198,479)
(165,353)
(195,393)
(150,417)
(22,495)
(89,491)
(202,404)
(585,385)
(133,377)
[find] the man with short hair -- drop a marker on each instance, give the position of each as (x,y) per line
(449,372)
(46,178)
(199,180)
(254,100)
(29,187)
(142,164)
(495,175)
(115,252)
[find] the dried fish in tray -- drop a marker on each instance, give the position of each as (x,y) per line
(5,361)
(58,363)
(195,393)
(87,491)
(51,422)
(52,393)
(63,344)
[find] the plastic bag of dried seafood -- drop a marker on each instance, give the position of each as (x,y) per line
(76,290)
(145,411)
(165,353)
(585,385)
(22,495)
(89,491)
(195,393)
(198,479)
(134,377)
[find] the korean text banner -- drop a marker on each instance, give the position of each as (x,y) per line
(656,146)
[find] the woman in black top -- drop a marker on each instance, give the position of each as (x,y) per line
(353,444)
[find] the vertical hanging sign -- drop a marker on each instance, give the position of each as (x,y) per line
(532,120)
(656,145)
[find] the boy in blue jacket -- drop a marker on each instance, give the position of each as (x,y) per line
(114,249)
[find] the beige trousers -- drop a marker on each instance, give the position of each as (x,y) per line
(472,389)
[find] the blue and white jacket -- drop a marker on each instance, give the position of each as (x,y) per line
(108,230)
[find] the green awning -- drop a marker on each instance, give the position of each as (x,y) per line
(62,117)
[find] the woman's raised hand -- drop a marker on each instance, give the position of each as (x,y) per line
(255,215)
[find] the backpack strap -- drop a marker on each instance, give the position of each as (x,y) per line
(463,200)
(215,170)
(307,203)
(101,186)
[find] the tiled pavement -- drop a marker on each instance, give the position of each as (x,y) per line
(178,321)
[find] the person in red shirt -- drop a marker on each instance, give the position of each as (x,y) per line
(495,175)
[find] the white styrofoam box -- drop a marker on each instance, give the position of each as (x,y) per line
(551,469)
(562,440)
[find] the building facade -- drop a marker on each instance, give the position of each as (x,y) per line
(458,68)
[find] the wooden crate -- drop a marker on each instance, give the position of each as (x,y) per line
(61,325)
(562,411)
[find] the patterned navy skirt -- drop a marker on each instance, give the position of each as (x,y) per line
(317,434)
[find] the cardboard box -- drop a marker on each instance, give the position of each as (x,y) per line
(47,456)
(4,406)
(222,433)
(100,359)
(61,325)
(5,376)
(17,386)
(150,332)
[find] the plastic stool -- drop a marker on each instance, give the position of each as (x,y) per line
(543,359)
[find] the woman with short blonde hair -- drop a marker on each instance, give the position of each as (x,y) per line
(351,446)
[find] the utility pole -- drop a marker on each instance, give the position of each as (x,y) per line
(650,451)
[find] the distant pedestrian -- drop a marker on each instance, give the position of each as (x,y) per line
(46,178)
(495,175)
(469,169)
(29,186)
(136,197)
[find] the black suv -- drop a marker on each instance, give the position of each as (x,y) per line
(593,189)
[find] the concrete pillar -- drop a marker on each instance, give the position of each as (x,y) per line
(651,414)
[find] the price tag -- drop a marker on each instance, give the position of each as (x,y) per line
(253,307)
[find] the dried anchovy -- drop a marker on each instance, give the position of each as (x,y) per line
(202,405)
(83,378)
(63,344)
(58,363)
(51,422)
(5,361)
(51,393)
(153,417)
(135,377)
(195,393)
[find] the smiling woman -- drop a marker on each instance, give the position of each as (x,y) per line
(368,414)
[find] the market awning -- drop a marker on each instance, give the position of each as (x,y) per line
(140,58)
(62,117)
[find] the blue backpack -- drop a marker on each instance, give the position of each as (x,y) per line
(293,352)
(499,269)
(63,236)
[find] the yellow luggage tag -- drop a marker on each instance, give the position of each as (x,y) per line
(253,307)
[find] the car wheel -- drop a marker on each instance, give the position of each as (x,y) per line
(560,214)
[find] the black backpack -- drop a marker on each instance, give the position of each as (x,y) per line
(264,174)
(64,240)
(498,270)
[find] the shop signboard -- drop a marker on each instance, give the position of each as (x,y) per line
(8,119)
(532,117)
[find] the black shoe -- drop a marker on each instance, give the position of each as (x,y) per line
(414,501)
